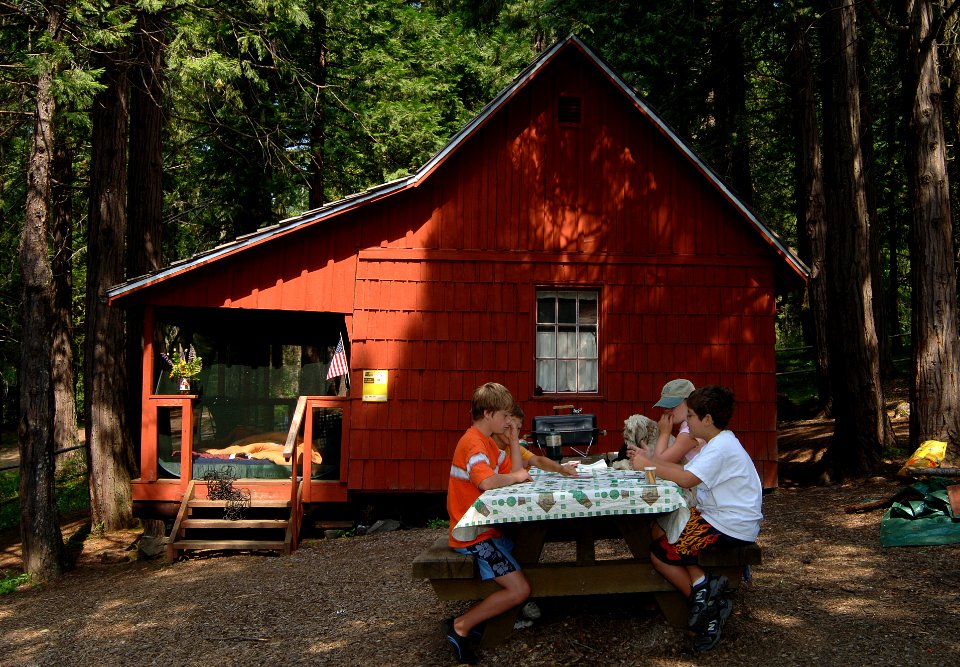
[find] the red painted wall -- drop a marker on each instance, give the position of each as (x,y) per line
(441,279)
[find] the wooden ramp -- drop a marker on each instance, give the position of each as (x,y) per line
(268,524)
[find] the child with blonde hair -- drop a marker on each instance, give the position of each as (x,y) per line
(479,465)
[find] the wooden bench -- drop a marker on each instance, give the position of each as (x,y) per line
(455,576)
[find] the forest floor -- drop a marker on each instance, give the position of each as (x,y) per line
(827,593)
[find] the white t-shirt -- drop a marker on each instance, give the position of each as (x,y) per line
(730,495)
(689,456)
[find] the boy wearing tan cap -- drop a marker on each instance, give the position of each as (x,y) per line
(673,398)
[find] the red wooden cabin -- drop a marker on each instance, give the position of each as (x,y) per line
(565,243)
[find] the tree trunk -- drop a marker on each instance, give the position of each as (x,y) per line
(811,230)
(104,369)
(951,69)
(896,226)
(935,395)
(864,47)
(732,150)
(61,333)
(318,127)
(43,552)
(145,208)
(145,175)
(861,429)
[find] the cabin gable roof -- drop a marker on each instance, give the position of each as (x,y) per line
(792,266)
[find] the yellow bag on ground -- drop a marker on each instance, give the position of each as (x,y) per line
(928,455)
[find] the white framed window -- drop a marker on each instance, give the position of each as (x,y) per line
(567,349)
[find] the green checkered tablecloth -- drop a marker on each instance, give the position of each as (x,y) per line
(555,496)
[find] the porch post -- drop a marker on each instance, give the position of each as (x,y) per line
(148,411)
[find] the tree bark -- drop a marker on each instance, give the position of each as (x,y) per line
(864,47)
(935,391)
(43,553)
(145,207)
(732,150)
(318,128)
(145,177)
(811,209)
(861,429)
(951,69)
(104,368)
(61,333)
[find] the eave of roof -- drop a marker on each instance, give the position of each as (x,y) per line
(375,193)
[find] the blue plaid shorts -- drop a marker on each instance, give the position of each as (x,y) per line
(494,557)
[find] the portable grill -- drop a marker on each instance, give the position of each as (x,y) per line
(577,432)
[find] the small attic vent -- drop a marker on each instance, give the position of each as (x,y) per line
(568,109)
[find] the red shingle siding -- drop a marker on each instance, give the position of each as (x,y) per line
(439,282)
(437,358)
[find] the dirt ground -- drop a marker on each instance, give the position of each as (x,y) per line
(827,593)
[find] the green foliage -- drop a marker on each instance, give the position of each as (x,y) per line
(9,490)
(73,491)
(73,494)
(11,580)
(250,94)
(795,378)
(438,523)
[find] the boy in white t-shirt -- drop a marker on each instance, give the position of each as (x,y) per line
(729,495)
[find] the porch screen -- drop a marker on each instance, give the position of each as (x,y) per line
(255,367)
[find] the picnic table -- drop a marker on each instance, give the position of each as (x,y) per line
(598,504)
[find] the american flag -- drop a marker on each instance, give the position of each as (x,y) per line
(338,364)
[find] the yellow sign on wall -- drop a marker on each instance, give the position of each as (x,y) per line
(375,386)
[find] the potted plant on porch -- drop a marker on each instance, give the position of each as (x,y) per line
(184,366)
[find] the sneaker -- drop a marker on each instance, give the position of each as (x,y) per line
(703,599)
(710,636)
(530,611)
(476,633)
(460,646)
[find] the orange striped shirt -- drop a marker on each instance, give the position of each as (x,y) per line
(476,458)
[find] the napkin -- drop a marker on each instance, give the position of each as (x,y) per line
(596,465)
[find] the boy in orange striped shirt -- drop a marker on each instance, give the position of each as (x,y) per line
(478,465)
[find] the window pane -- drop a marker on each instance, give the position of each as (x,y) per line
(567,308)
(567,376)
(546,376)
(546,310)
(546,342)
(588,376)
(567,344)
(588,344)
(588,309)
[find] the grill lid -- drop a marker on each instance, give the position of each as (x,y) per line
(577,429)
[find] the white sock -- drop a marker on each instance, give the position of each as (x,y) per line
(699,581)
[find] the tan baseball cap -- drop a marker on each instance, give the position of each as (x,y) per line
(674,393)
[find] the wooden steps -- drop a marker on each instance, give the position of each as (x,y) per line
(267,524)
(228,545)
(239,523)
(203,502)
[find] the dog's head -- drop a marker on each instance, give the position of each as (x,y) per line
(641,431)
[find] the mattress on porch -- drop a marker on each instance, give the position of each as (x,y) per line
(237,468)
(246,468)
